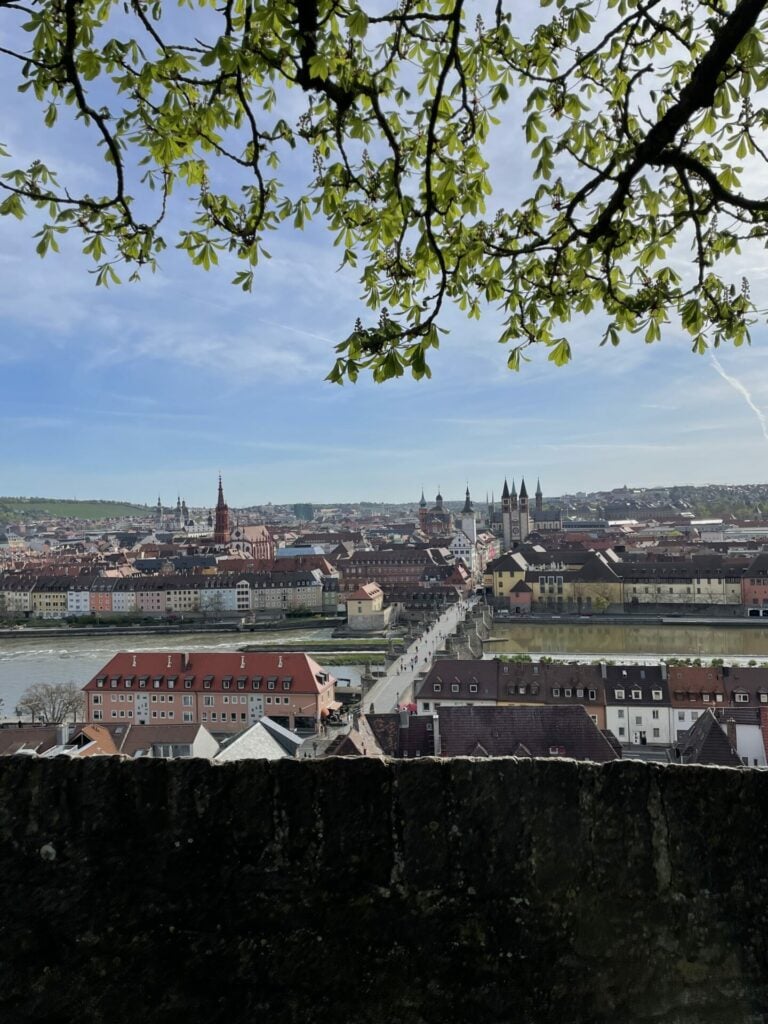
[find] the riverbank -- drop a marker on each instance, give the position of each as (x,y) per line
(166,628)
(630,620)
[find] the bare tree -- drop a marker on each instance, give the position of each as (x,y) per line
(52,703)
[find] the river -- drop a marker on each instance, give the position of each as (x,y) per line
(629,641)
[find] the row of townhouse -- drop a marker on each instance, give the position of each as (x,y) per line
(58,597)
(591,581)
(225,692)
(640,704)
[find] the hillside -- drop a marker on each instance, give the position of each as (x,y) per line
(64,508)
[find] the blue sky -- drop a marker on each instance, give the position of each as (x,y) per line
(156,387)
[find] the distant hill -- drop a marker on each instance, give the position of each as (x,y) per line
(36,508)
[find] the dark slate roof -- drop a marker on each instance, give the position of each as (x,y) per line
(449,672)
(706,743)
(629,678)
(521,587)
(566,731)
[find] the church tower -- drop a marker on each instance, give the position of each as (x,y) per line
(539,498)
(506,517)
(179,521)
(159,514)
(221,530)
(423,513)
(468,523)
(524,514)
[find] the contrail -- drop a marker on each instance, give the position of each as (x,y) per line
(738,386)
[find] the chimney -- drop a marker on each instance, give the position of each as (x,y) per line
(169,660)
(603,670)
(62,734)
(436,735)
(185,661)
(242,661)
(133,661)
(279,661)
(405,718)
(663,667)
(730,731)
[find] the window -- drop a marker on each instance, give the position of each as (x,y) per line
(656,694)
(207,682)
(621,731)
(256,682)
(113,683)
(171,682)
(271,682)
(186,700)
(694,715)
(143,682)
(156,682)
(454,687)
(437,687)
(638,719)
(618,694)
(226,682)
(556,691)
(213,716)
(681,716)
(620,713)
(225,700)
(426,705)
(97,698)
(205,716)
(568,692)
(741,698)
(718,698)
(128,682)
(656,733)
(579,692)
(764,698)
(473,687)
(705,698)
(241,681)
(637,695)
(287,682)
(98,715)
(208,702)
(188,682)
(100,681)
(592,694)
(654,714)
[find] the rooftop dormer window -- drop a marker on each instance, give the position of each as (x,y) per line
(437,687)
(637,695)
(226,682)
(454,687)
(207,681)
(618,694)
(256,682)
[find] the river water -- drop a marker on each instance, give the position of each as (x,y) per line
(627,641)
(28,660)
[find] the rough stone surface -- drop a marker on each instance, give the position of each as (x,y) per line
(374,892)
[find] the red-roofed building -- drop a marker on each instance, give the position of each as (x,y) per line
(224,692)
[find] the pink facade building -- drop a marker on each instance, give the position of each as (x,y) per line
(224,692)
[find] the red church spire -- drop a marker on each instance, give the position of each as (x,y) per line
(221,529)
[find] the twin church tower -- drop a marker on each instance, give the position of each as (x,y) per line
(516,517)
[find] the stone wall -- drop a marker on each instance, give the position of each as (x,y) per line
(368,892)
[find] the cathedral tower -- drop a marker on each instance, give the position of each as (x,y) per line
(221,530)
(539,498)
(506,517)
(524,514)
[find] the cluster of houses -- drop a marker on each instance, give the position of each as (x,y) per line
(532,578)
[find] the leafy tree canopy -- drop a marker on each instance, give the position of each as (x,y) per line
(642,121)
